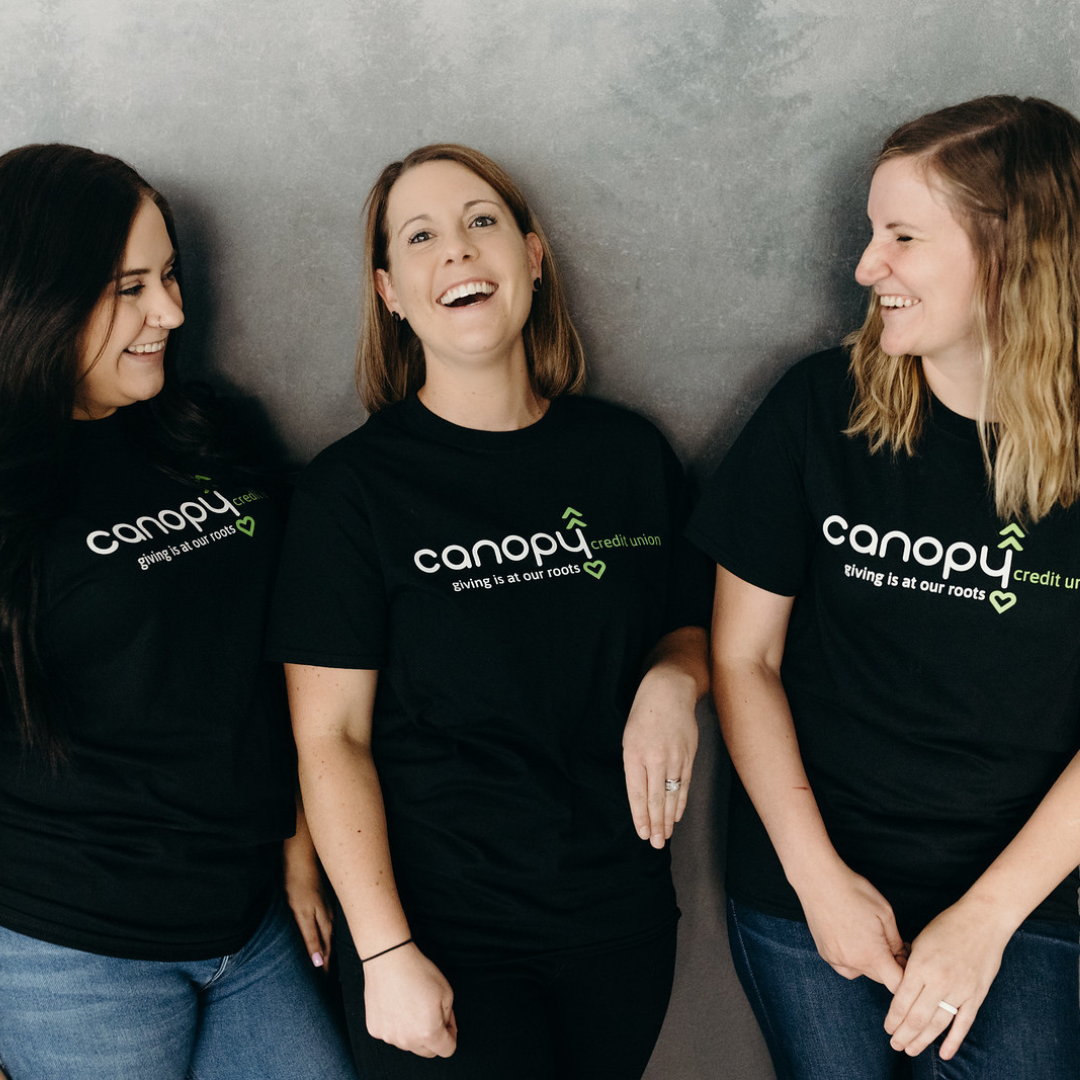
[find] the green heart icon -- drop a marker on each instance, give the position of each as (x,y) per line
(595,568)
(1002,601)
(246,525)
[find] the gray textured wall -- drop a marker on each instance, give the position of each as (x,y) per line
(700,165)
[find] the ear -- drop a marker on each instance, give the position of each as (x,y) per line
(535,252)
(385,288)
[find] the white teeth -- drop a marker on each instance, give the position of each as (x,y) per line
(897,301)
(142,350)
(470,288)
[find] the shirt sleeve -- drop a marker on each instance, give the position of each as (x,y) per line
(330,605)
(753,518)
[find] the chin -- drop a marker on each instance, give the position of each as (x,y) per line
(151,391)
(892,347)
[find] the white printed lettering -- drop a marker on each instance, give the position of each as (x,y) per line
(92,543)
(427,552)
(834,519)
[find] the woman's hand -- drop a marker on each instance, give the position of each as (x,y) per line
(661,734)
(409,1003)
(954,960)
(854,928)
(306,895)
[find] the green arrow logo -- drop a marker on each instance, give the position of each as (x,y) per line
(1011,532)
(575,521)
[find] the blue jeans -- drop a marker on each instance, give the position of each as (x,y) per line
(256,1014)
(821,1026)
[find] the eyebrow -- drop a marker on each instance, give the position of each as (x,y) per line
(422,217)
(144,270)
(893,226)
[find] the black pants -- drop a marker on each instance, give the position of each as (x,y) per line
(595,1013)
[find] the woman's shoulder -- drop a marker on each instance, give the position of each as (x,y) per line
(825,372)
(817,390)
(370,456)
(355,444)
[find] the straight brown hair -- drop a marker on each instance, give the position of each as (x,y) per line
(390,357)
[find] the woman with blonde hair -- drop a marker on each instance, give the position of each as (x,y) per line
(493,638)
(897,630)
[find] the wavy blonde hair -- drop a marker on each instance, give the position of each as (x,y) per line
(390,357)
(1010,170)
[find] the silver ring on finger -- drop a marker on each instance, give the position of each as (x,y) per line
(952,1010)
(672,785)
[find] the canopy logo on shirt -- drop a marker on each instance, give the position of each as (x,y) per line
(168,522)
(513,548)
(956,558)
(535,550)
(163,523)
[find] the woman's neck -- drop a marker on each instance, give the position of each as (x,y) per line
(958,387)
(494,398)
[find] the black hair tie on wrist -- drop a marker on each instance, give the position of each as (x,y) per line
(375,956)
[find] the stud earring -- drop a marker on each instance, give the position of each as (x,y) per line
(536,284)
(395,316)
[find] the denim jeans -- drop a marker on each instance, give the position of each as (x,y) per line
(256,1014)
(821,1026)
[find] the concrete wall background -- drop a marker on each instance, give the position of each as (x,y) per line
(701,166)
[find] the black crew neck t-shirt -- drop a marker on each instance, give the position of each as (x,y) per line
(160,838)
(932,659)
(507,586)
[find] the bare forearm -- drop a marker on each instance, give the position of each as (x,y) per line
(332,713)
(407,1000)
(1039,858)
(345,813)
(683,656)
(851,922)
(749,634)
(760,736)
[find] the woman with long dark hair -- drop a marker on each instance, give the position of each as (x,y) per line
(491,625)
(146,776)
(897,630)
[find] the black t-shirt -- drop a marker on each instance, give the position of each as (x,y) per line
(160,838)
(932,659)
(507,586)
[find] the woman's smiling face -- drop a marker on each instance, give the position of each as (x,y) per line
(922,267)
(460,271)
(122,346)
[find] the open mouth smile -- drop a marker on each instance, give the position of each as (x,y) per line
(144,350)
(467,294)
(897,301)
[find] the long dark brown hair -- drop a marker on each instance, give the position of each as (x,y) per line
(65,216)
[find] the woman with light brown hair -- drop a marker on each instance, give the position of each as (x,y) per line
(494,642)
(896,630)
